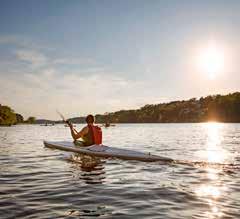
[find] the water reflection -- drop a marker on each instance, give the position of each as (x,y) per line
(87,213)
(211,192)
(212,174)
(213,151)
(212,188)
(89,169)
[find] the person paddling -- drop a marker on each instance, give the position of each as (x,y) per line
(90,134)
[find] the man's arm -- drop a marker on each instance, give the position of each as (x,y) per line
(76,135)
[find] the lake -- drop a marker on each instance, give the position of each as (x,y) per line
(203,182)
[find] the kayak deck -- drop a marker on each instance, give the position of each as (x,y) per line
(105,151)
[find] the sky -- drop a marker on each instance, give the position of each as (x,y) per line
(82,57)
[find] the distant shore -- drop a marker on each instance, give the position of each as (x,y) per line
(219,108)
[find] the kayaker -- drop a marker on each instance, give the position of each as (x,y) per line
(90,134)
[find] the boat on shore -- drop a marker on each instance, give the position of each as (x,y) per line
(68,126)
(47,124)
(106,125)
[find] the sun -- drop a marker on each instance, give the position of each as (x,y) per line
(211,60)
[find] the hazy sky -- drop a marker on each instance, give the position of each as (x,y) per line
(85,57)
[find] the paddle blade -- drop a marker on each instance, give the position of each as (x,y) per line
(61,115)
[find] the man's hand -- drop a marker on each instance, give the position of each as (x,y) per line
(69,124)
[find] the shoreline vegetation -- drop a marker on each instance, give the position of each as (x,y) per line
(220,108)
(8,117)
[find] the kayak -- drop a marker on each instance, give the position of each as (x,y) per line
(105,151)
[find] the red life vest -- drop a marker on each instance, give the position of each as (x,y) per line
(96,134)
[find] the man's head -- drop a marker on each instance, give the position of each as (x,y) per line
(90,119)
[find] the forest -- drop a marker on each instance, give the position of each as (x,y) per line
(8,117)
(221,108)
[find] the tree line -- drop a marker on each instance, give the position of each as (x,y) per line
(222,108)
(8,117)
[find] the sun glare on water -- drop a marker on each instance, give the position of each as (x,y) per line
(211,60)
(213,151)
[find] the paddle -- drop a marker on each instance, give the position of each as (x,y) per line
(64,120)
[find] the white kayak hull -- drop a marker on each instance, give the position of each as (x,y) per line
(105,151)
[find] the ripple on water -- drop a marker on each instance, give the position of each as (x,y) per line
(37,182)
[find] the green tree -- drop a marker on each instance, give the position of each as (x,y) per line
(31,120)
(19,118)
(7,116)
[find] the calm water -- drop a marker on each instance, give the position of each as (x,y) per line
(37,182)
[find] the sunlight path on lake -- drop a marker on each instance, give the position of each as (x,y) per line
(213,151)
(213,188)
